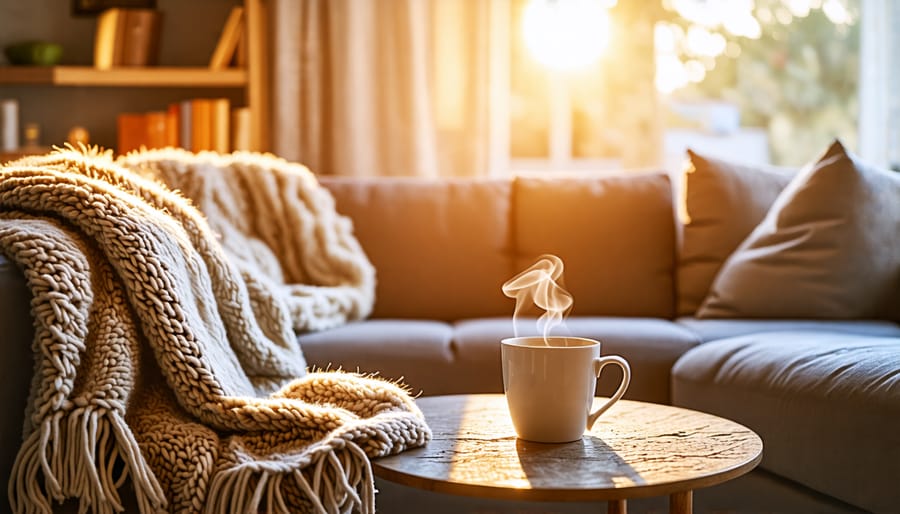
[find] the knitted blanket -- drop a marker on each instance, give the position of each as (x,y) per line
(165,348)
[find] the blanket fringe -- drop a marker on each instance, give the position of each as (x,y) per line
(338,480)
(80,453)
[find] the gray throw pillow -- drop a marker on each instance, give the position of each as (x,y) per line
(828,248)
(722,202)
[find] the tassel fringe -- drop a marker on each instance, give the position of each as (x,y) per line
(76,454)
(338,480)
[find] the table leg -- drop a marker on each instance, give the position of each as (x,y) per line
(681,503)
(616,507)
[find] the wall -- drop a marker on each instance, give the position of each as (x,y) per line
(190,30)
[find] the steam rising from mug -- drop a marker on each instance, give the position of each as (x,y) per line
(539,285)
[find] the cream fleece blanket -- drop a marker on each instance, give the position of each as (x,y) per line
(164,339)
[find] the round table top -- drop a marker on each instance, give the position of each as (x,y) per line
(634,450)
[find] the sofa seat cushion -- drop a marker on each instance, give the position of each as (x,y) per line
(416,351)
(712,329)
(827,406)
(651,347)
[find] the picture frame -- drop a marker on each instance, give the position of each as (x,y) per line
(94,7)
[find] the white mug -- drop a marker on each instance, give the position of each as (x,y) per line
(550,385)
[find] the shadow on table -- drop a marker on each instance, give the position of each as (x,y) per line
(587,463)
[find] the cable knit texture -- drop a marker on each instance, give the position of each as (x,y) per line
(165,348)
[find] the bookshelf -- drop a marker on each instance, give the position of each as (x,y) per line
(155,76)
(252,80)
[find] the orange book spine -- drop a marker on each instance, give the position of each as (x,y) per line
(220,124)
(131,132)
(173,125)
(201,124)
(240,129)
(155,123)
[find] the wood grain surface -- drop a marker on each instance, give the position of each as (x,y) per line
(634,450)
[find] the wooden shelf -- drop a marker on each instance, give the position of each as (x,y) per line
(127,77)
(252,80)
(23,152)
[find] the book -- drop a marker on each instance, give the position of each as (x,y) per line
(109,34)
(240,129)
(9,125)
(173,125)
(228,40)
(140,40)
(127,37)
(198,124)
(184,126)
(240,57)
(220,124)
(201,124)
(131,132)
(155,129)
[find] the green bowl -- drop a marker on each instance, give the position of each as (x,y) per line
(34,53)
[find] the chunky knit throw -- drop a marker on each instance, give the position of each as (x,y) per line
(165,351)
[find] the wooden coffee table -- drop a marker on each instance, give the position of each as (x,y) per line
(634,450)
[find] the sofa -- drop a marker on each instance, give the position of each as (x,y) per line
(651,259)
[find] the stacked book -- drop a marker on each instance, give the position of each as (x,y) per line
(196,124)
(127,37)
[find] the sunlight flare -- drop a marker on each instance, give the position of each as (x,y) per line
(566,35)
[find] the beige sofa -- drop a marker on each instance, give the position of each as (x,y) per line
(823,394)
(442,249)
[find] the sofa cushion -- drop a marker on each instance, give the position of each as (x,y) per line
(827,406)
(651,347)
(441,248)
(614,232)
(712,329)
(721,203)
(416,351)
(827,249)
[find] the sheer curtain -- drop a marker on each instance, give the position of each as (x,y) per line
(386,87)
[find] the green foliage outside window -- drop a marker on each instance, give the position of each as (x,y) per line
(798,80)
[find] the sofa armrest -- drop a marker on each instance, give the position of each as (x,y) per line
(16,362)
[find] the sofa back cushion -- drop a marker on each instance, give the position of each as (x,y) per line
(828,248)
(441,248)
(721,204)
(615,232)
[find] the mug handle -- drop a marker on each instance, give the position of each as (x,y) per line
(599,364)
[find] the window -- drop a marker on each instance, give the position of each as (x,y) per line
(879,126)
(766,81)
(567,111)
(776,79)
